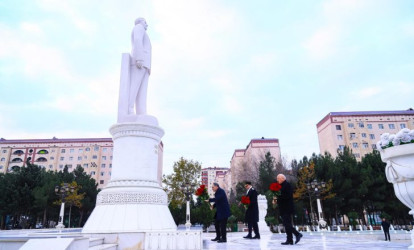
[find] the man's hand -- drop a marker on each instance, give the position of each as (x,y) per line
(206,200)
(138,64)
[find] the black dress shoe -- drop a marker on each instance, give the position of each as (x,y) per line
(215,239)
(247,236)
(256,237)
(221,241)
(287,243)
(298,238)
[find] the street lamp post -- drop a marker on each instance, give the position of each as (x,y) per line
(188,190)
(316,187)
(63,191)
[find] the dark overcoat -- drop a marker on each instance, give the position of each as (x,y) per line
(252,212)
(285,199)
(221,203)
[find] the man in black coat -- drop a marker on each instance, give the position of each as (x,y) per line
(252,212)
(285,203)
(222,212)
(386,227)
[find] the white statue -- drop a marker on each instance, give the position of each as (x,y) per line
(135,71)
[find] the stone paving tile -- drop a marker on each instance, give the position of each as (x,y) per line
(314,242)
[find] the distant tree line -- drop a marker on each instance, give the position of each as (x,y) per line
(27,197)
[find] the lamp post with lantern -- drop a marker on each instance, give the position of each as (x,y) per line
(63,191)
(316,188)
(188,190)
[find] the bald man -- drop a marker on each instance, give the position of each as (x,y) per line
(285,201)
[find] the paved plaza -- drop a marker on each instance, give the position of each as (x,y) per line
(313,241)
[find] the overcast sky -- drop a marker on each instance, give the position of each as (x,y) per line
(223,72)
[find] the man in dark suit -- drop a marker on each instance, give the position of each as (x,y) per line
(285,202)
(386,227)
(252,212)
(222,212)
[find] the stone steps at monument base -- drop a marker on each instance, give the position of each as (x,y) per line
(96,241)
(104,247)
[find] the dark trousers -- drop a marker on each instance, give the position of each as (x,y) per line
(221,229)
(253,225)
(287,223)
(387,233)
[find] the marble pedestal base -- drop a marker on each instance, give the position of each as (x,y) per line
(133,201)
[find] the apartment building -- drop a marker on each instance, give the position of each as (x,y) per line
(360,130)
(251,156)
(215,174)
(93,154)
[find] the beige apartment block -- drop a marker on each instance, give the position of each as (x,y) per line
(251,156)
(360,130)
(93,154)
(215,174)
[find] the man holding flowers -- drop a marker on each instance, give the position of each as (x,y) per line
(222,212)
(252,212)
(285,202)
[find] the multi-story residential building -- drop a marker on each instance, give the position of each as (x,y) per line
(93,154)
(251,156)
(215,174)
(361,130)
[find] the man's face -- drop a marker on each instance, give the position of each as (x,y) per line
(280,179)
(214,188)
(246,186)
(144,23)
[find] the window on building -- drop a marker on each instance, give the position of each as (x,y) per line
(110,165)
(94,157)
(340,138)
(18,152)
(352,136)
(350,125)
(110,157)
(71,158)
(374,146)
(369,126)
(110,173)
(341,147)
(50,166)
(371,136)
(96,148)
(85,157)
(62,158)
(365,145)
(381,126)
(338,127)
(80,150)
(87,149)
(1,167)
(391,126)
(4,151)
(63,150)
(355,145)
(79,158)
(52,158)
(102,173)
(103,165)
(43,151)
(69,165)
(92,172)
(60,166)
(3,159)
(364,135)
(361,124)
(103,158)
(402,125)
(101,181)
(71,150)
(356,155)
(85,165)
(105,149)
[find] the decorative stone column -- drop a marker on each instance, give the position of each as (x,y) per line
(133,201)
(262,202)
(400,172)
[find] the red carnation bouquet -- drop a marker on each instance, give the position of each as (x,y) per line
(274,188)
(202,193)
(245,200)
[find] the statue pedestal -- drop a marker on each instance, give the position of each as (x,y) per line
(133,201)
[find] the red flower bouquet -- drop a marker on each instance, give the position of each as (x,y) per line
(275,189)
(202,193)
(245,200)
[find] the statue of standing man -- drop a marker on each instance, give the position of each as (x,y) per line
(134,75)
